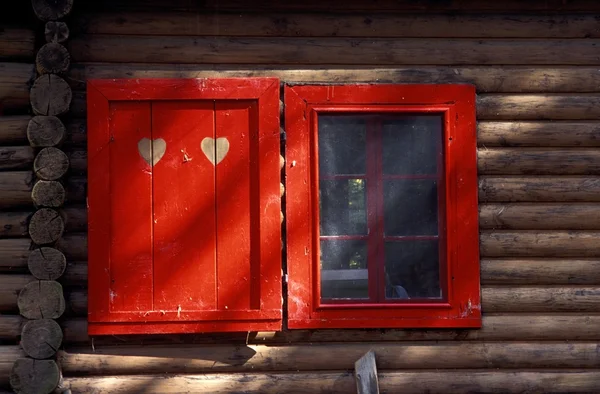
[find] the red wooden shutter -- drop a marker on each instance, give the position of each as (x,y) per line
(183,198)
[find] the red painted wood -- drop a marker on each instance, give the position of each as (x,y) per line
(234,198)
(184,208)
(460,267)
(179,285)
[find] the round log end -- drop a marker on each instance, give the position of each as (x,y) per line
(56,31)
(281,162)
(46,226)
(41,300)
(50,95)
(47,263)
(45,131)
(50,164)
(29,376)
(49,194)
(52,58)
(51,10)
(41,338)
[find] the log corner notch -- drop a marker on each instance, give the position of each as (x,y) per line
(365,373)
(42,301)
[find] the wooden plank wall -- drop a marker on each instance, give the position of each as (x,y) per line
(538,108)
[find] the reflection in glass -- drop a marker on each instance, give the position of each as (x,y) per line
(412,269)
(343,269)
(342,207)
(411,207)
(342,144)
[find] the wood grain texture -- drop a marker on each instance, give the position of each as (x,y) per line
(540,271)
(47,263)
(52,58)
(540,216)
(380,51)
(51,10)
(540,243)
(46,226)
(56,31)
(540,134)
(365,372)
(13,130)
(9,291)
(49,194)
(41,300)
(29,376)
(14,224)
(538,161)
(45,131)
(16,44)
(133,360)
(50,95)
(542,189)
(337,25)
(491,78)
(16,157)
(50,164)
(41,338)
(15,81)
(410,382)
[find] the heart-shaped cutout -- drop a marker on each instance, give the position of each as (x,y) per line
(215,152)
(152,150)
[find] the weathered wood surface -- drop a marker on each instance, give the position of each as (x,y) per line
(10,287)
(540,271)
(46,226)
(50,95)
(47,263)
(52,58)
(8,356)
(326,50)
(132,360)
(541,134)
(51,164)
(13,130)
(338,25)
(56,31)
(16,157)
(540,243)
(50,194)
(498,79)
(30,376)
(41,300)
(365,373)
(538,161)
(540,216)
(15,81)
(16,44)
(51,10)
(41,338)
(75,218)
(534,189)
(45,131)
(14,224)
(496,327)
(408,382)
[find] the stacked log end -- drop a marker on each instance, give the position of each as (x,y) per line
(42,301)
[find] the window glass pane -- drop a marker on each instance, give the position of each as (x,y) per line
(410,206)
(344,269)
(342,144)
(410,145)
(412,270)
(342,207)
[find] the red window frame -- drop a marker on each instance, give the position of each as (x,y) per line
(266,242)
(459,243)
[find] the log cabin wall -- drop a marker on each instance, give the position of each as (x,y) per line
(536,69)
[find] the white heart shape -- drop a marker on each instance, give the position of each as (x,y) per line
(152,150)
(215,153)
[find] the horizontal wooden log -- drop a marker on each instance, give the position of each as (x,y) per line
(541,271)
(337,25)
(538,161)
(494,299)
(495,327)
(533,189)
(13,130)
(16,157)
(409,382)
(17,44)
(75,217)
(540,216)
(15,252)
(540,243)
(14,224)
(535,107)
(10,287)
(380,51)
(124,360)
(505,79)
(8,356)
(15,81)
(531,133)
